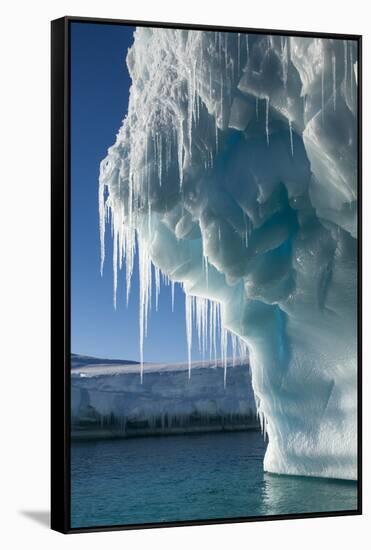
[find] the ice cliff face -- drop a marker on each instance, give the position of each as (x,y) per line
(107,398)
(235,174)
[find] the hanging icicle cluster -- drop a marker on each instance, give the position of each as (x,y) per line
(142,160)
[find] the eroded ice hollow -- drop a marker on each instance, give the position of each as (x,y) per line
(235,174)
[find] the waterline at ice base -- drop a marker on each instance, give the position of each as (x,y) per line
(234,174)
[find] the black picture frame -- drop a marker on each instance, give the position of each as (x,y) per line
(60,274)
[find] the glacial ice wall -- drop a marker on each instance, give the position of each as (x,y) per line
(235,174)
(108,398)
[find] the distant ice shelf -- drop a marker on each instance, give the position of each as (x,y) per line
(109,400)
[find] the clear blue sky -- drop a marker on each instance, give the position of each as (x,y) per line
(99,97)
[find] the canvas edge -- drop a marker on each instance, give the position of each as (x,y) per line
(60,277)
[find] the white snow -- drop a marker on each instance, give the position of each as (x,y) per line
(262,239)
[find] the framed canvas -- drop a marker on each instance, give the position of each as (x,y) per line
(206,280)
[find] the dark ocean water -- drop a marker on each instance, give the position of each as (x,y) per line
(190,477)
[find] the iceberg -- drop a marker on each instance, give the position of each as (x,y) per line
(234,174)
(109,400)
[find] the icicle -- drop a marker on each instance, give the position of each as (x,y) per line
(323,89)
(291,138)
(115,239)
(267,118)
(221,100)
(351,73)
(204,321)
(159,157)
(205,269)
(198,314)
(257,108)
(223,345)
(172,295)
(247,232)
(225,51)
(216,133)
(191,95)
(102,218)
(334,80)
(238,52)
(129,252)
(247,51)
(211,322)
(345,43)
(189,322)
(180,149)
(121,244)
(285,61)
(157,285)
(197,91)
(210,86)
(145,283)
(215,326)
(149,211)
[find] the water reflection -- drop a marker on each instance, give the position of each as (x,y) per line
(295,495)
(192,477)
